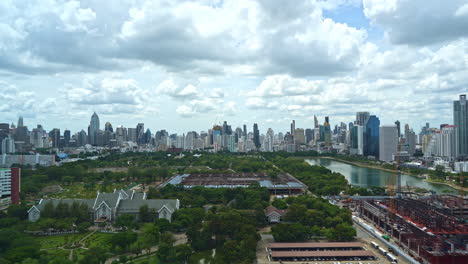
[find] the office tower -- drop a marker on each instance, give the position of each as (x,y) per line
(54,134)
(325,131)
(132,135)
(20,122)
(361,118)
(309,135)
(140,131)
(411,139)
(93,128)
(36,138)
(147,136)
(449,145)
(66,137)
(120,135)
(299,137)
(388,142)
(371,136)
(245,131)
(269,140)
(8,145)
(293,127)
(21,133)
(10,184)
(460,117)
(82,138)
(256,136)
(99,138)
(108,127)
(397,123)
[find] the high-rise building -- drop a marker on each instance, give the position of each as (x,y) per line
(449,142)
(309,135)
(66,137)
(361,118)
(8,145)
(82,138)
(10,184)
(54,134)
(132,135)
(108,127)
(93,128)
(245,132)
(256,136)
(388,142)
(20,121)
(299,137)
(293,127)
(460,117)
(140,133)
(371,136)
(397,123)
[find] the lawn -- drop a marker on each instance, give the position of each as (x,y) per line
(150,260)
(97,240)
(58,241)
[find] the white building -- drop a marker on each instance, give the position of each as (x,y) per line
(388,142)
(461,166)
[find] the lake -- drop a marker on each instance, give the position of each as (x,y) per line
(367,177)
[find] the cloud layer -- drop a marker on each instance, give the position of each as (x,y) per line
(193,63)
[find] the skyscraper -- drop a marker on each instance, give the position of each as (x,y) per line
(256,138)
(388,142)
(93,128)
(245,132)
(20,122)
(361,118)
(460,117)
(371,136)
(309,135)
(140,133)
(397,123)
(293,127)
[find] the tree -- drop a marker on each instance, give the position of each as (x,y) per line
(149,236)
(126,221)
(48,211)
(183,253)
(144,214)
(95,255)
(290,232)
(18,210)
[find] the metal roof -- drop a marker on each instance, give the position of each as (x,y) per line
(316,245)
(340,253)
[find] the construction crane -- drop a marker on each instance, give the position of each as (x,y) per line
(396,180)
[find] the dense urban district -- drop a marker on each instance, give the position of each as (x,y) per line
(232,196)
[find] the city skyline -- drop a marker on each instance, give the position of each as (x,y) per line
(248,63)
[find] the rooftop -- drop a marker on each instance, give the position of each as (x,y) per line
(341,253)
(316,245)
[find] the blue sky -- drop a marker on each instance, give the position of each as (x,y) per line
(185,65)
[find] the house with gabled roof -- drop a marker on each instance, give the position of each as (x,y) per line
(274,214)
(106,207)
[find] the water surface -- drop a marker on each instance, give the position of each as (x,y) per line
(367,177)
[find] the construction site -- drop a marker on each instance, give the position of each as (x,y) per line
(431,229)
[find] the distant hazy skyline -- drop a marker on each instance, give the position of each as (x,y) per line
(186,65)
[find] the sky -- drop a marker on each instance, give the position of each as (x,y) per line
(186,65)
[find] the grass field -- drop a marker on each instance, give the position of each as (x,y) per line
(97,240)
(150,260)
(58,241)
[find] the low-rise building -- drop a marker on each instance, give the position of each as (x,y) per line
(106,207)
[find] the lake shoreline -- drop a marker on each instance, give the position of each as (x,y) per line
(456,187)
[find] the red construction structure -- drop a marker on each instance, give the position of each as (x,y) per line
(431,229)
